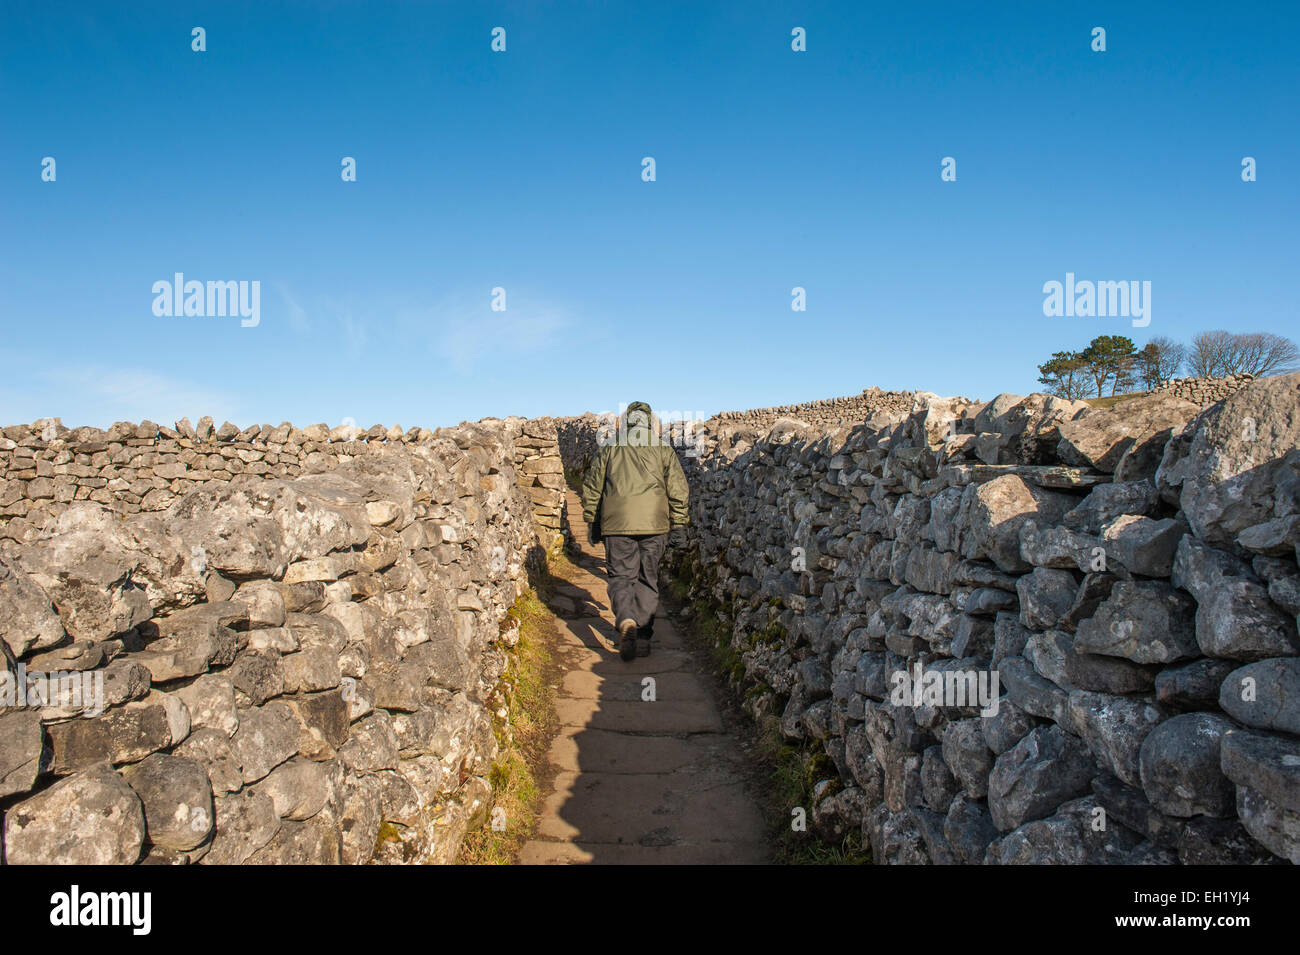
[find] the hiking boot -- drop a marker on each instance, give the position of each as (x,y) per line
(627,639)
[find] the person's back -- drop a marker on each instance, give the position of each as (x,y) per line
(634,495)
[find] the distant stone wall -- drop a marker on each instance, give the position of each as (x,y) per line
(1204,391)
(541,475)
(133,468)
(578,441)
(827,411)
(1128,575)
(297,663)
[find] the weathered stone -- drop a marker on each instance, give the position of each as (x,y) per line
(299,788)
(307,597)
(1062,548)
(125,680)
(317,630)
(1114,727)
(834,815)
(267,736)
(1108,501)
(1146,621)
(177,799)
(258,675)
(124,734)
(264,600)
(1045,595)
(1142,545)
(211,703)
(895,838)
(1140,426)
(969,829)
(1030,692)
(967,756)
(1275,827)
(28,620)
(1009,636)
(210,748)
(1180,771)
(1264,694)
(190,641)
(316,841)
(96,597)
(1193,686)
(1007,727)
(246,821)
(229,529)
(1234,617)
(1046,652)
(372,745)
(973,637)
(1068,837)
(1037,775)
(1130,807)
(1207,841)
(1268,764)
(997,510)
(22,751)
(1095,588)
(323,721)
(1237,458)
(1105,674)
(92,818)
(310,670)
(361,817)
(938,786)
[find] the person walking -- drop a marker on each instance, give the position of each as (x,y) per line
(634,496)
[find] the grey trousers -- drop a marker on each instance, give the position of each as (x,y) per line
(634,577)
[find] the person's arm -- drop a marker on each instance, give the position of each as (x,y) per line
(679,514)
(593,485)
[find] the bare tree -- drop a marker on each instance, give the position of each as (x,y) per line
(1210,354)
(1263,353)
(1219,353)
(1160,360)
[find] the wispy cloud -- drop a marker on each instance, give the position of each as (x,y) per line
(132,394)
(464,330)
(354,332)
(296,314)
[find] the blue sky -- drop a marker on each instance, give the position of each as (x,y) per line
(522,170)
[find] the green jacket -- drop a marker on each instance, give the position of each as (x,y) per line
(636,481)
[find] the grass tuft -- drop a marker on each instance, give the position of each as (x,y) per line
(523,735)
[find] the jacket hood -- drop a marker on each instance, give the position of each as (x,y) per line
(634,407)
(637,419)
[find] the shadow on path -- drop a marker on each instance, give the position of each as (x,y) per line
(644,771)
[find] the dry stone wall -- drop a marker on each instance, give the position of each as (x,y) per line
(133,468)
(298,662)
(541,475)
(1204,391)
(826,411)
(1121,584)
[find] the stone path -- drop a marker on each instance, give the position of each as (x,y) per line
(637,781)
